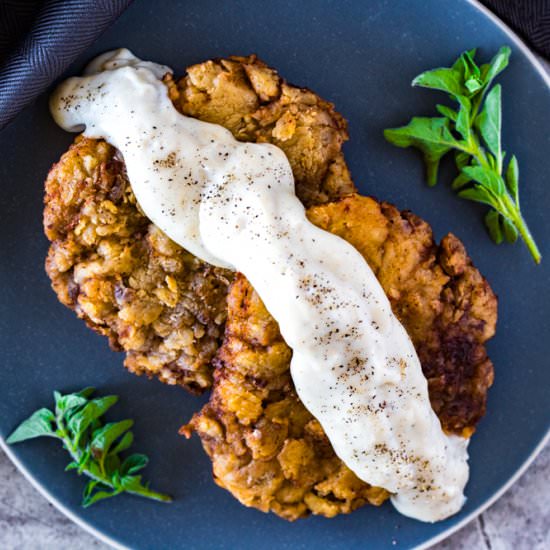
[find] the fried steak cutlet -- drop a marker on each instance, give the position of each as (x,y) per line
(165,308)
(266,448)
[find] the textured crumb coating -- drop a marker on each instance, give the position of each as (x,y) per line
(128,281)
(266,448)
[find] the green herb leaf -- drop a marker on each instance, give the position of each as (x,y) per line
(133,485)
(111,465)
(512,179)
(104,437)
(492,221)
(485,177)
(94,447)
(472,73)
(470,66)
(461,65)
(447,111)
(94,409)
(462,159)
(90,497)
(37,425)
(478,155)
(66,402)
(116,477)
(71,466)
(496,66)
(133,464)
(489,122)
(444,79)
(477,194)
(463,119)
(87,392)
(460,181)
(90,486)
(84,463)
(431,135)
(473,84)
(510,231)
(124,443)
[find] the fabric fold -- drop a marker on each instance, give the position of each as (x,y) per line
(61,31)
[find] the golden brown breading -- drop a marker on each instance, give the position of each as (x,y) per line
(266,448)
(447,307)
(124,277)
(127,280)
(250,99)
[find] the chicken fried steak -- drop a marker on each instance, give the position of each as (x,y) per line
(165,308)
(266,448)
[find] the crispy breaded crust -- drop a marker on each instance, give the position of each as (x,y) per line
(266,448)
(250,99)
(167,309)
(126,279)
(446,305)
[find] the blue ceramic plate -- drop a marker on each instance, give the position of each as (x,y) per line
(362,56)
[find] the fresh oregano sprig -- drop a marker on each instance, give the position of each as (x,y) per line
(473,132)
(94,446)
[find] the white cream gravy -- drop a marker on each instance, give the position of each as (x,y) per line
(233,205)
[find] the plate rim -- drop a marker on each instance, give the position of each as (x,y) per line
(42,489)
